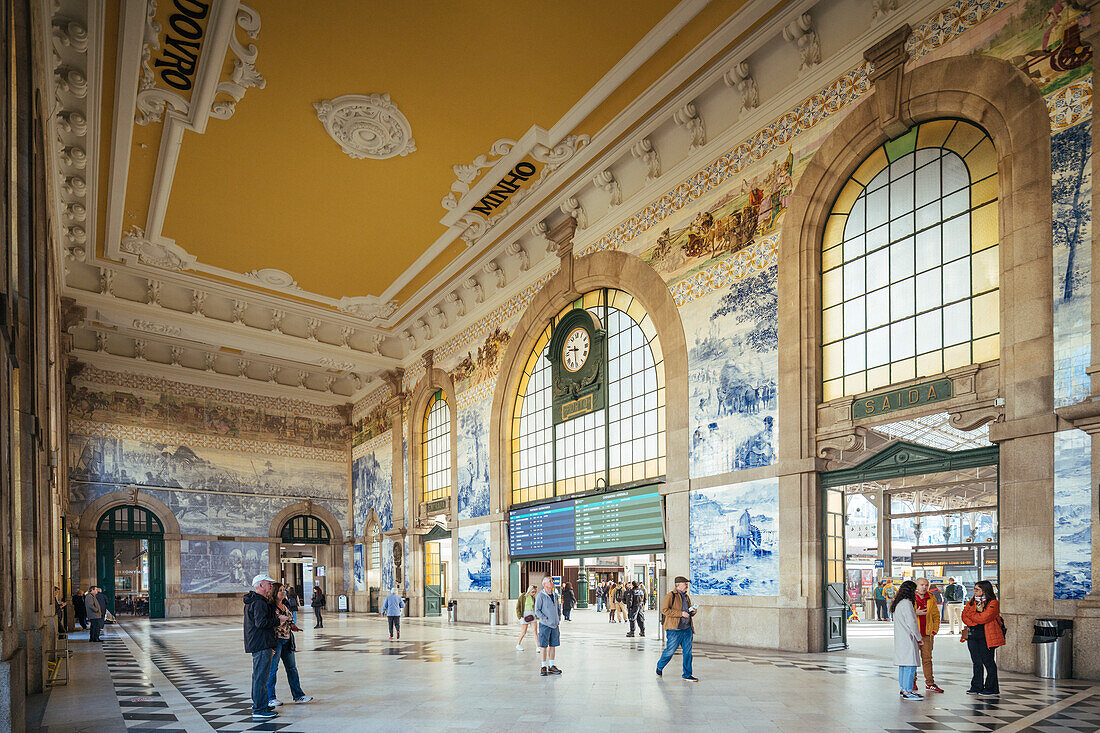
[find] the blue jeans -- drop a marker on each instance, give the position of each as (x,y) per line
(677,638)
(261,675)
(294,616)
(284,652)
(907,677)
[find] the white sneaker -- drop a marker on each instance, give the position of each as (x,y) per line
(519,648)
(304,699)
(273,703)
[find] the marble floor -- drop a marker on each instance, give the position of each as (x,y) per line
(193,675)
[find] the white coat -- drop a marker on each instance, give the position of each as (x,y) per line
(906,635)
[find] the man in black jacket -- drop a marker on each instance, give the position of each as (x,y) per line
(635,607)
(259,641)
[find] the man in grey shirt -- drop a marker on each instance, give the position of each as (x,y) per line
(547,611)
(95,613)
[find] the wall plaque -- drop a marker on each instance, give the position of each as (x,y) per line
(900,399)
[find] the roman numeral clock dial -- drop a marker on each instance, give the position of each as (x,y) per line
(574,353)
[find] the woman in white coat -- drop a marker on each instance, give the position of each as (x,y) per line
(907,639)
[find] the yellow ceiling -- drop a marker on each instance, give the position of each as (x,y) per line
(270,188)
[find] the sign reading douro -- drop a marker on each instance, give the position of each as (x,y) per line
(578,353)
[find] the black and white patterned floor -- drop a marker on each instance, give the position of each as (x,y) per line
(203,662)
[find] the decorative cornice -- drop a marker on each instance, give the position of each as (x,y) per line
(366,126)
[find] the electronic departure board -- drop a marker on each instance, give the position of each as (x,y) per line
(630,518)
(618,520)
(542,530)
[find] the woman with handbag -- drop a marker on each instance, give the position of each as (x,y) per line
(284,652)
(907,639)
(984,631)
(568,600)
(525,612)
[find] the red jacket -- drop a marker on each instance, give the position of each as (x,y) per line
(990,618)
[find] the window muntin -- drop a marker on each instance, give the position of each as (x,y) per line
(130,519)
(910,268)
(305,528)
(436,448)
(621,444)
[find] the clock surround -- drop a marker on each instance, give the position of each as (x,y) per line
(578,359)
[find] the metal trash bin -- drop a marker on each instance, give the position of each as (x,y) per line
(1053,645)
(452,611)
(493,605)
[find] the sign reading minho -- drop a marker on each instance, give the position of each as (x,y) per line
(899,399)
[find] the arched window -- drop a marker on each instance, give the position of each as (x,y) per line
(621,444)
(130,519)
(910,261)
(305,529)
(435,448)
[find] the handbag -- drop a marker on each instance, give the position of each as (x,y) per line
(965,634)
(528,618)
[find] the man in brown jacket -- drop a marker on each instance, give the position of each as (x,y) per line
(677,613)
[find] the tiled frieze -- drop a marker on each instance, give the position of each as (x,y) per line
(95,429)
(91,375)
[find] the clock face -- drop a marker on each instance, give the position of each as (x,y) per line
(575,351)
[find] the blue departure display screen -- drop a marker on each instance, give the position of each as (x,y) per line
(542,530)
(629,518)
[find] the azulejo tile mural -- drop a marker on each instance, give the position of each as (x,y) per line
(125,462)
(473,459)
(1072,522)
(1071,161)
(733,404)
(474,559)
(212,513)
(387,563)
(199,415)
(220,567)
(734,539)
(360,566)
(372,488)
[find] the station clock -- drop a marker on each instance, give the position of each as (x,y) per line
(578,365)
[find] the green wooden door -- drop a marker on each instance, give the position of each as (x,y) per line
(156,577)
(105,567)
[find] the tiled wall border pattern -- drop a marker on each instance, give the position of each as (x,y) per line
(92,375)
(94,429)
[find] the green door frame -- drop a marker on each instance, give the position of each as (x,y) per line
(896,460)
(105,561)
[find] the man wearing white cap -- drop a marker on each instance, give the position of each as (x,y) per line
(259,641)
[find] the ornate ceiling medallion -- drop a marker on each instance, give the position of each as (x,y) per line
(366,126)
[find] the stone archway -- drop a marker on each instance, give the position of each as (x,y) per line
(577,276)
(996,96)
(330,555)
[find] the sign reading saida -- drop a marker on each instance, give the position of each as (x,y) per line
(899,399)
(578,355)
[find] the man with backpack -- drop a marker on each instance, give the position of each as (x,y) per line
(954,595)
(635,608)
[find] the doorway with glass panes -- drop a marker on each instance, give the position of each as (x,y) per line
(911,510)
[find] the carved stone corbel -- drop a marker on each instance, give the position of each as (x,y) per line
(562,237)
(974,417)
(888,75)
(834,446)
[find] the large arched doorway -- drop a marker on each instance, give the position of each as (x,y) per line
(130,560)
(303,555)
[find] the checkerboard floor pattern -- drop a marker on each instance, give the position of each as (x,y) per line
(1025,702)
(142,707)
(225,707)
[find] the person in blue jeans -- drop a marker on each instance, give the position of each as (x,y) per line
(284,637)
(677,612)
(259,641)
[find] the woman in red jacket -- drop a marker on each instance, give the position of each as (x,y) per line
(984,633)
